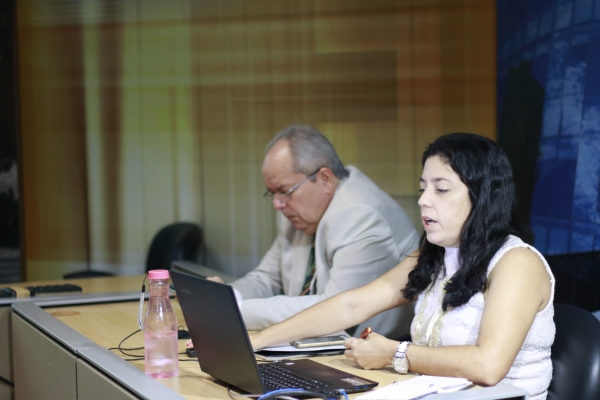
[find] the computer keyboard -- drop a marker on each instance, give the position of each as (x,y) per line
(278,377)
(40,291)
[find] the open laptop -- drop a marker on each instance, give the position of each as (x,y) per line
(224,351)
(192,268)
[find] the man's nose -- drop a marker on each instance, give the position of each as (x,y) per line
(278,204)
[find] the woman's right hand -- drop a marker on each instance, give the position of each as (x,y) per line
(255,340)
(374,352)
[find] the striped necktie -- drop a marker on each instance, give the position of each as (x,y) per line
(310,270)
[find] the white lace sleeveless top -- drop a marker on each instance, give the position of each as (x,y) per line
(532,368)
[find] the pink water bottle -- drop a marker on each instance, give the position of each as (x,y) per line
(160,329)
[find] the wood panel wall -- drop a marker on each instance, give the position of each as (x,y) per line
(136,114)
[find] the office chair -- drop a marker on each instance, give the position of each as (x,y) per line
(575,355)
(86,274)
(577,279)
(177,241)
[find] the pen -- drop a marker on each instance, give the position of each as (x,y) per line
(365,334)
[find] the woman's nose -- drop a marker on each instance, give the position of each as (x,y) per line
(423,199)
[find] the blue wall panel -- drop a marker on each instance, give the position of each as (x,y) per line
(559,40)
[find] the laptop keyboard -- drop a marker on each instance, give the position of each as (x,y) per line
(277,377)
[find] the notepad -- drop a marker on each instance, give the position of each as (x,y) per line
(286,355)
(284,351)
(417,387)
(292,349)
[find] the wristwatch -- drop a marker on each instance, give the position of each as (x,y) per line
(400,362)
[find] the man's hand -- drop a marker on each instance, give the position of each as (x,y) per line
(374,352)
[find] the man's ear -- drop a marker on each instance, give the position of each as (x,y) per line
(326,177)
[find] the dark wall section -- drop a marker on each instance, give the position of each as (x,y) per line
(553,46)
(9,182)
(520,129)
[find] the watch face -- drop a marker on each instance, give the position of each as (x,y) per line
(400,365)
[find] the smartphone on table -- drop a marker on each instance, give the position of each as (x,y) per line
(318,341)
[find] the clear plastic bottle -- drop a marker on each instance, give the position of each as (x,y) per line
(160,329)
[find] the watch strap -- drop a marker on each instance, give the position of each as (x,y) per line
(401,349)
(400,362)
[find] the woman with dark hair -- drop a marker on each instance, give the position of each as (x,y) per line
(483,296)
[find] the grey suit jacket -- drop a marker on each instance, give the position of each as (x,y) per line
(362,234)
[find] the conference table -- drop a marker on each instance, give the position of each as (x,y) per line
(58,347)
(108,324)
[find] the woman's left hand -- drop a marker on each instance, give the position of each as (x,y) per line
(374,352)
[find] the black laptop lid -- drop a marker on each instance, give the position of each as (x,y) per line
(218,331)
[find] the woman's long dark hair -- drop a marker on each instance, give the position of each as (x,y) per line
(486,171)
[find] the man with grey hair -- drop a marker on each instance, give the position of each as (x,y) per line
(336,231)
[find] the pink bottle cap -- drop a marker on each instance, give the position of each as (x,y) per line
(158,274)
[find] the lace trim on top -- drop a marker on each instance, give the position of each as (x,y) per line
(434,339)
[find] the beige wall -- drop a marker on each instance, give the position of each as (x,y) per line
(136,114)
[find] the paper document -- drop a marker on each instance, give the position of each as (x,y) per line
(416,388)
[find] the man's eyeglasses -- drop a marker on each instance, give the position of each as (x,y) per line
(285,196)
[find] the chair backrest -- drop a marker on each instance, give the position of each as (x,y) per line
(178,241)
(575,355)
(86,274)
(577,279)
